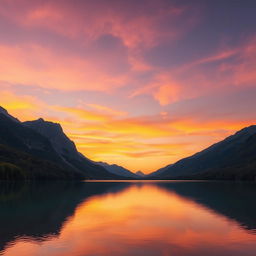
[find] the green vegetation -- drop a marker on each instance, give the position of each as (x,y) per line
(17,165)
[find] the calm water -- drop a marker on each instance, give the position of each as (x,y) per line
(121,218)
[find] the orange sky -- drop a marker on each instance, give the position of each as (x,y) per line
(139,83)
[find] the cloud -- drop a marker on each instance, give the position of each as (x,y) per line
(37,65)
(221,72)
(107,110)
(167,91)
(127,79)
(135,23)
(134,139)
(241,72)
(25,107)
(102,52)
(162,88)
(103,133)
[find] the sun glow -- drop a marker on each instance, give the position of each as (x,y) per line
(140,89)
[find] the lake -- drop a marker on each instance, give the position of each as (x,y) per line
(174,218)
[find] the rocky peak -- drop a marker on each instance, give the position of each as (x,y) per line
(5,112)
(54,132)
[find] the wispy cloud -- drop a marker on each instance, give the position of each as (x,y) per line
(139,83)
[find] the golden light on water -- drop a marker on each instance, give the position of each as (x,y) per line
(142,217)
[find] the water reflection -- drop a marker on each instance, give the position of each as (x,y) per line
(234,200)
(119,218)
(38,211)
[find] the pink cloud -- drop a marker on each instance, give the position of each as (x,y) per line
(40,66)
(221,72)
(137,24)
(241,72)
(132,27)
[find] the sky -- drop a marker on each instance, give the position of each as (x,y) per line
(138,83)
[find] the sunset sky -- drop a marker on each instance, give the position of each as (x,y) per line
(139,83)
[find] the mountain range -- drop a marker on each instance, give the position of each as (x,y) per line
(118,170)
(234,158)
(40,149)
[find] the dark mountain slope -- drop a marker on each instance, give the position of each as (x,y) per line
(118,170)
(15,135)
(45,141)
(141,174)
(16,165)
(5,113)
(67,151)
(232,158)
(53,131)
(241,166)
(159,171)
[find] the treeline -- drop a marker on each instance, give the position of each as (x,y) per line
(11,172)
(16,165)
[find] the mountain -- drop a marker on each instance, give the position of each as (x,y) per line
(4,112)
(232,158)
(67,151)
(25,153)
(118,170)
(15,135)
(43,142)
(159,171)
(140,174)
(53,131)
(17,165)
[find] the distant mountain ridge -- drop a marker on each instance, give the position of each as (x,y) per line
(232,158)
(118,170)
(34,148)
(140,174)
(46,141)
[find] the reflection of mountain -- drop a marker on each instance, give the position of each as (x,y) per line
(233,200)
(39,211)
